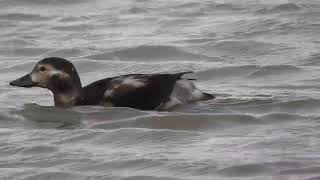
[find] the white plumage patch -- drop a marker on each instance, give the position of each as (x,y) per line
(34,77)
(131,81)
(61,73)
(123,85)
(108,93)
(184,91)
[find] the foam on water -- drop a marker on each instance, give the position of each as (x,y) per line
(260,59)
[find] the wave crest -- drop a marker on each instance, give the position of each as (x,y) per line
(149,52)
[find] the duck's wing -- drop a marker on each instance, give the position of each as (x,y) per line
(141,91)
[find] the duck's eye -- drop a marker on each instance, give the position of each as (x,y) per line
(42,68)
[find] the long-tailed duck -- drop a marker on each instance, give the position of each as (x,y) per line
(140,91)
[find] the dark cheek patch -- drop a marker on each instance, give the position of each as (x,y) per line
(59,83)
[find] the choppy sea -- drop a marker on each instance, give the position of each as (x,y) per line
(260,58)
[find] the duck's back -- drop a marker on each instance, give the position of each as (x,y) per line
(142,91)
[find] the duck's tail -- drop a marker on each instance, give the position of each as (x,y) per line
(179,75)
(207,96)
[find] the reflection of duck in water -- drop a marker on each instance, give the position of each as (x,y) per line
(141,91)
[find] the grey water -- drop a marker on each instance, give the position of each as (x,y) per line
(260,58)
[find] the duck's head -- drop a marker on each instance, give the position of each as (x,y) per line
(56,74)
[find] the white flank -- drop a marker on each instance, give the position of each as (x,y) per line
(50,92)
(131,81)
(108,93)
(184,91)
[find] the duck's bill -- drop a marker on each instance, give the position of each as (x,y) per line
(24,81)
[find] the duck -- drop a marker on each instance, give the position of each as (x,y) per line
(139,91)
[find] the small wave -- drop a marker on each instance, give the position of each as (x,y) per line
(16,42)
(226,72)
(74,27)
(23,17)
(53,117)
(246,71)
(149,178)
(246,170)
(256,27)
(132,164)
(313,60)
(301,107)
(46,116)
(257,169)
(7,120)
(187,5)
(65,53)
(40,149)
(149,52)
(200,9)
(196,40)
(281,117)
(313,178)
(288,7)
(85,66)
(183,122)
(55,175)
(274,70)
(81,136)
(45,3)
(133,136)
(288,87)
(299,171)
(239,47)
(137,10)
(23,52)
(22,66)
(66,19)
(260,99)
(229,6)
(270,112)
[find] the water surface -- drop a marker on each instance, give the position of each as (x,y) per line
(261,59)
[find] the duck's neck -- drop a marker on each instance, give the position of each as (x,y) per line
(67,96)
(66,99)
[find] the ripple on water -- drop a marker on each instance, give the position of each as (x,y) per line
(23,17)
(274,70)
(241,47)
(281,8)
(192,122)
(246,170)
(74,27)
(302,107)
(275,169)
(150,178)
(53,117)
(261,58)
(149,52)
(131,137)
(66,53)
(43,3)
(56,175)
(247,71)
(23,52)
